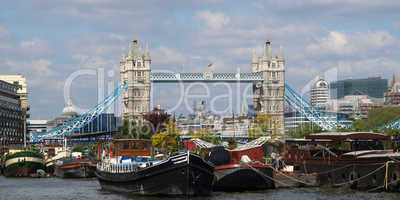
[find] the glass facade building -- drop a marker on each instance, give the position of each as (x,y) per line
(373,87)
(105,122)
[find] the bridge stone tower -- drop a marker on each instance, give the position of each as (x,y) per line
(135,70)
(269,94)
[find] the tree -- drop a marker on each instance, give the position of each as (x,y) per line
(206,135)
(167,141)
(134,129)
(377,118)
(261,126)
(156,119)
(304,130)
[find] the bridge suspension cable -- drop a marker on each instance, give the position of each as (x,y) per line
(68,127)
(392,125)
(301,105)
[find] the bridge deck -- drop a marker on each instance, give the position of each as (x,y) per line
(204,77)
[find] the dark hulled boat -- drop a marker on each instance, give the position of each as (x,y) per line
(184,174)
(75,168)
(23,163)
(243,177)
(240,169)
(357,160)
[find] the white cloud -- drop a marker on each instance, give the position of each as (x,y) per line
(34,47)
(42,67)
(167,56)
(214,20)
(339,43)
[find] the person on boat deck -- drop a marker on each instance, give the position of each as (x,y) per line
(277,162)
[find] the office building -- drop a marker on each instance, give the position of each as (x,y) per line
(11,119)
(372,87)
(319,93)
(22,92)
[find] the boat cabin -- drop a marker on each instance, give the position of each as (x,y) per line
(333,146)
(130,147)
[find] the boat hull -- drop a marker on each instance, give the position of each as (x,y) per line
(357,175)
(75,170)
(243,178)
(193,178)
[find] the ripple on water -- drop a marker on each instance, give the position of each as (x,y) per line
(89,189)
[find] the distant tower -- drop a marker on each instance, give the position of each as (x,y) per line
(269,94)
(392,95)
(135,70)
(319,94)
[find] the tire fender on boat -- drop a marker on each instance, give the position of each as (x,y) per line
(353,175)
(394,180)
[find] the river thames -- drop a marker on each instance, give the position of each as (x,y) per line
(89,189)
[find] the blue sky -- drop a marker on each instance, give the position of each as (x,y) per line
(49,40)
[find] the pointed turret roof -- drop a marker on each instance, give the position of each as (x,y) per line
(134,49)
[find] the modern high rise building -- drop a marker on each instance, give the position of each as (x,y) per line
(11,117)
(268,96)
(319,94)
(374,87)
(135,71)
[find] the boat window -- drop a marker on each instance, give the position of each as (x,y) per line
(367,145)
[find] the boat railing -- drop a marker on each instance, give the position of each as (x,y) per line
(117,167)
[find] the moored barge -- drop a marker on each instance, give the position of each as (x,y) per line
(239,169)
(23,163)
(75,167)
(185,174)
(354,159)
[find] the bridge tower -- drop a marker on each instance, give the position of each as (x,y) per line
(269,94)
(135,70)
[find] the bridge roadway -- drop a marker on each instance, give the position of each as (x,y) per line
(206,77)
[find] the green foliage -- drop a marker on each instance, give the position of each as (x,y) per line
(304,130)
(392,132)
(260,127)
(78,148)
(167,140)
(206,135)
(134,130)
(377,118)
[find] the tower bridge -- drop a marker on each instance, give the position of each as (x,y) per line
(267,75)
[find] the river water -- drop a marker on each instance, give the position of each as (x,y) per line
(89,189)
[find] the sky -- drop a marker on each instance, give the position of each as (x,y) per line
(50,41)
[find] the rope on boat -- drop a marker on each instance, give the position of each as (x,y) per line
(292,178)
(334,170)
(266,176)
(369,174)
(346,166)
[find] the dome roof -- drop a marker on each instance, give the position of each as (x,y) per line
(69,109)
